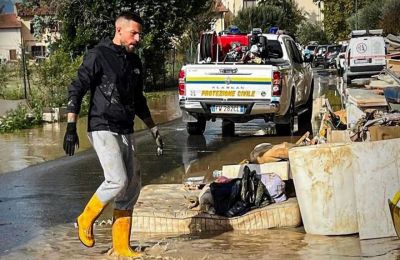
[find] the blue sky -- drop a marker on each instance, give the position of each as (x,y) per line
(9,5)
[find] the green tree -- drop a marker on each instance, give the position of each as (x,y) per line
(260,17)
(86,22)
(336,12)
(391,17)
(293,16)
(4,75)
(368,17)
(340,16)
(266,15)
(186,45)
(309,31)
(52,78)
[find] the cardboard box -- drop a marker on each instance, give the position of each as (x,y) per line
(379,132)
(338,136)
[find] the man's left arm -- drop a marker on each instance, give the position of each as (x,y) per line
(154,132)
(143,112)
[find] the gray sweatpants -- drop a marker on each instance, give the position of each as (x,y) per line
(118,159)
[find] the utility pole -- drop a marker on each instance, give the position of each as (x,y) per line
(356,15)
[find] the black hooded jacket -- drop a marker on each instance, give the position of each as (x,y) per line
(114,78)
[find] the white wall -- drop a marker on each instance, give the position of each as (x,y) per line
(233,5)
(10,39)
(312,10)
(30,41)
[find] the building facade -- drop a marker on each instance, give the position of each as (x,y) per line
(36,46)
(312,9)
(10,37)
(227,9)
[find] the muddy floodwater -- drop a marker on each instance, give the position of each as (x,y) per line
(31,146)
(61,243)
(37,212)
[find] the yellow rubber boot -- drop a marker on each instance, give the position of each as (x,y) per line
(121,232)
(85,221)
(395,212)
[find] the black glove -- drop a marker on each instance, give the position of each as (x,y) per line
(159,142)
(71,140)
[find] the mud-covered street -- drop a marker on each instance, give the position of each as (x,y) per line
(39,204)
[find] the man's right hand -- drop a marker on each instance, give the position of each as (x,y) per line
(71,139)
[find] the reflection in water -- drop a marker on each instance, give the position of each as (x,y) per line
(205,153)
(195,145)
(31,146)
(233,152)
(330,86)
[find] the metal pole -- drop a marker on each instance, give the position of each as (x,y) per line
(222,21)
(173,63)
(356,15)
(23,70)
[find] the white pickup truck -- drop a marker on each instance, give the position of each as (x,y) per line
(272,83)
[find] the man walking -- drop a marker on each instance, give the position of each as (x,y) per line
(113,75)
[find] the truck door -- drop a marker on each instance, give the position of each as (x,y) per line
(298,71)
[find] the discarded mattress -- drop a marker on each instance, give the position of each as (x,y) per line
(163,208)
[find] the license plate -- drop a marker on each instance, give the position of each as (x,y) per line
(227,109)
(360,61)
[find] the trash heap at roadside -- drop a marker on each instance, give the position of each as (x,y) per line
(339,177)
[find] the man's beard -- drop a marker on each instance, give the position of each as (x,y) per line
(130,47)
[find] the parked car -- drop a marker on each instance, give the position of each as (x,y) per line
(308,53)
(319,55)
(365,55)
(340,59)
(330,55)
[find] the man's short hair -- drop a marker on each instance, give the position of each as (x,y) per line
(130,16)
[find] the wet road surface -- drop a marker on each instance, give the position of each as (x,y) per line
(38,205)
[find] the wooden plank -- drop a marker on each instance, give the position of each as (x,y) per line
(365,98)
(394,65)
(380,84)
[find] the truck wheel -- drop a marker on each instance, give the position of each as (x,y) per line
(339,71)
(348,80)
(196,128)
(228,128)
(306,117)
(288,128)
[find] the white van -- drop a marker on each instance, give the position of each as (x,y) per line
(365,54)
